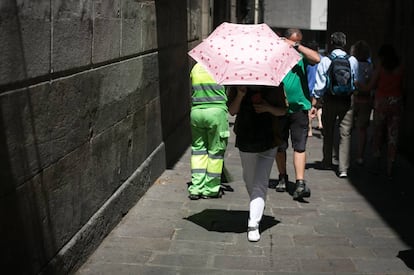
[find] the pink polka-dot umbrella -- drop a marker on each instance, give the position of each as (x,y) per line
(241,54)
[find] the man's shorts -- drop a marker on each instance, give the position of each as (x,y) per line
(295,124)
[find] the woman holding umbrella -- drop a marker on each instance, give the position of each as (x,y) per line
(257,138)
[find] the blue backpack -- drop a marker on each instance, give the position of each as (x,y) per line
(340,78)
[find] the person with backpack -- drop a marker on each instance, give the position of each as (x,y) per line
(335,84)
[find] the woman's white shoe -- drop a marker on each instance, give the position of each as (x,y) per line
(253,234)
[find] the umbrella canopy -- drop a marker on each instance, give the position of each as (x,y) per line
(242,54)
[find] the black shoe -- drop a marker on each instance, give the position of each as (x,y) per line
(226,187)
(281,185)
(301,191)
(218,196)
(272,183)
(194,197)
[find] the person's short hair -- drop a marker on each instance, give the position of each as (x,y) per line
(361,50)
(289,32)
(388,56)
(338,39)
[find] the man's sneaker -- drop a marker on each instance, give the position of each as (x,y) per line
(343,175)
(281,185)
(301,191)
(253,234)
(272,183)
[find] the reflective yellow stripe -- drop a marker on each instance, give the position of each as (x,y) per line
(199,161)
(215,156)
(210,99)
(215,166)
(214,175)
(202,152)
(207,86)
(198,171)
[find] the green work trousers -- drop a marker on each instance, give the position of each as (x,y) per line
(210,132)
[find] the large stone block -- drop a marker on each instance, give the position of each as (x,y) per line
(72,34)
(24,40)
(50,208)
(125,87)
(56,205)
(106,30)
(75,252)
(149,26)
(139,32)
(46,122)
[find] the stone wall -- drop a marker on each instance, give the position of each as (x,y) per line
(88,95)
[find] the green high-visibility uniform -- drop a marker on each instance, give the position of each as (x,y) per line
(210,132)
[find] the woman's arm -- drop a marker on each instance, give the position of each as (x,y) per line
(266,107)
(236,96)
(275,103)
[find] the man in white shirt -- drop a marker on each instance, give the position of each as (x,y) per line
(335,108)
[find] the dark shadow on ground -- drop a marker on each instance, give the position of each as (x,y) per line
(408,257)
(234,221)
(391,198)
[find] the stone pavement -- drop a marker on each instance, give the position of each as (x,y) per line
(358,225)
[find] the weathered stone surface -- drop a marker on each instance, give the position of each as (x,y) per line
(72,34)
(84,143)
(24,40)
(106,30)
(139,32)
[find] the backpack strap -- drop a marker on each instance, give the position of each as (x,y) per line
(332,56)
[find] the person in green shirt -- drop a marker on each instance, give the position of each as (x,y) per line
(296,121)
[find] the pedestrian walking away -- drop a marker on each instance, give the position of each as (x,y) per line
(210,132)
(296,121)
(257,137)
(388,80)
(362,100)
(335,84)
